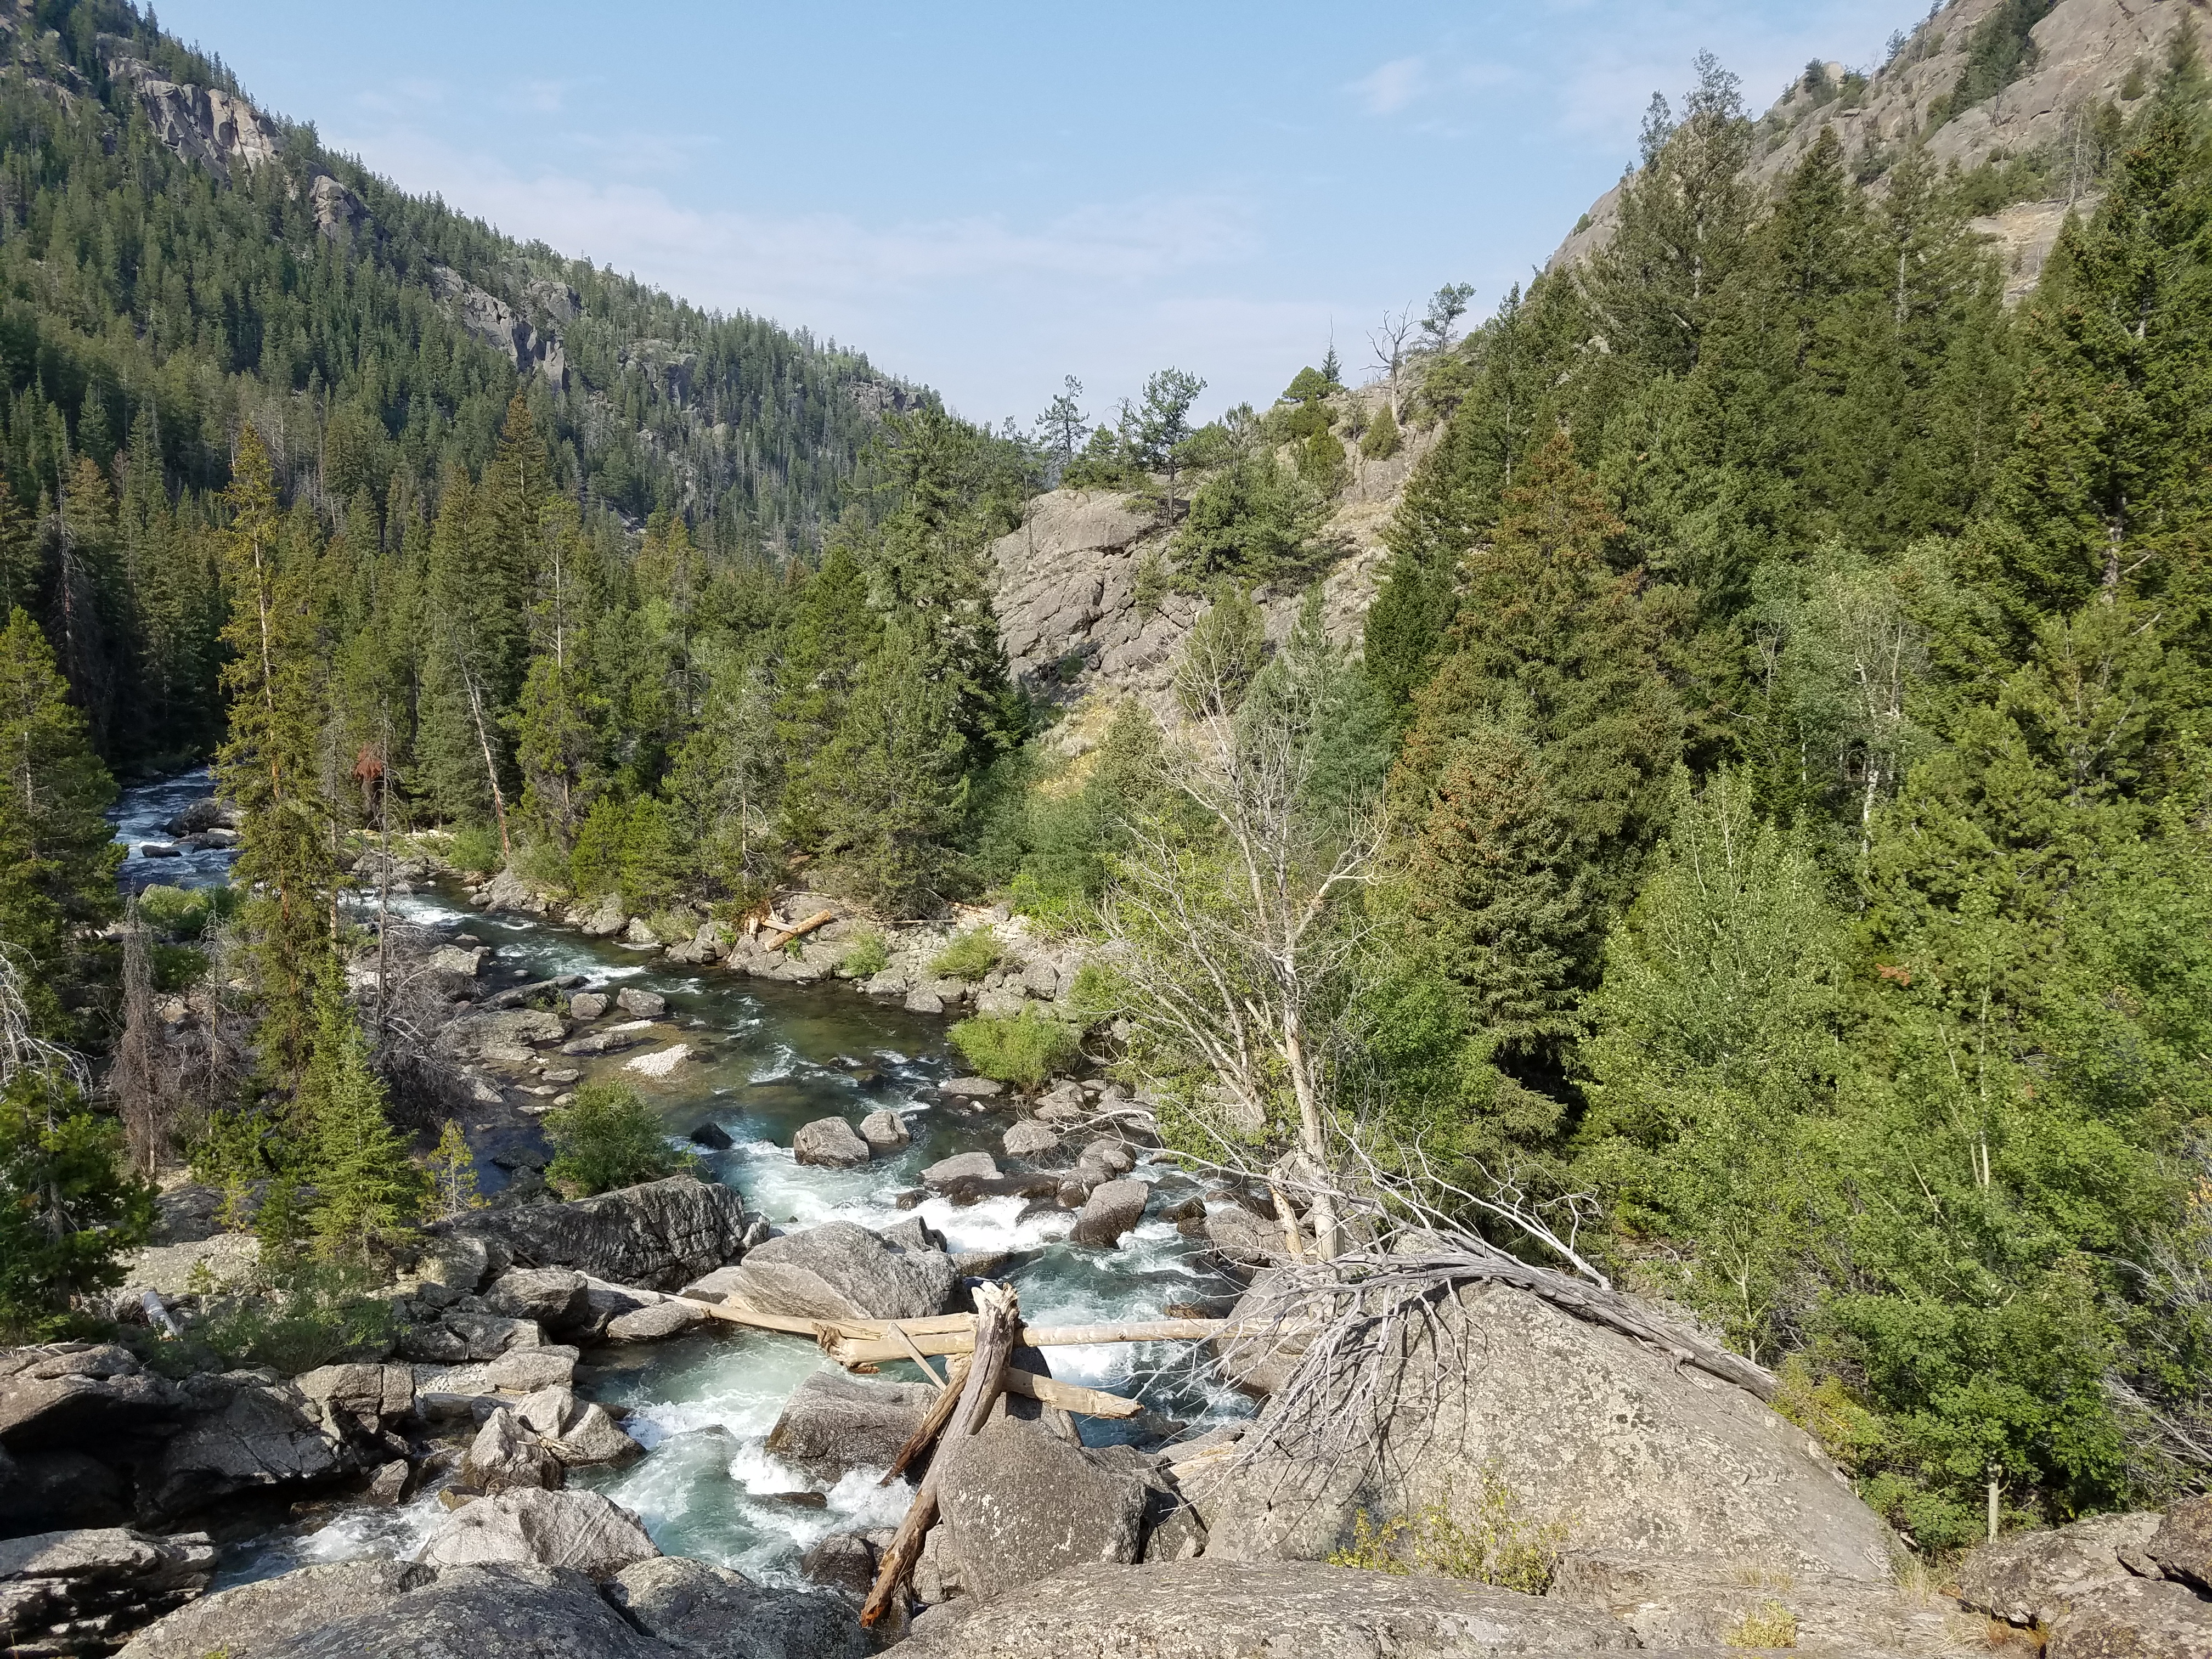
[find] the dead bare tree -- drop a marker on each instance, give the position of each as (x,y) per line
(1234,942)
(23,1051)
(138,1079)
(1389,341)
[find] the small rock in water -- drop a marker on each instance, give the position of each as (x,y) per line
(842,1561)
(971,1088)
(924,1001)
(649,1004)
(710,1134)
(466,938)
(801,1500)
(389,1485)
(660,1062)
(561,1074)
(652,1323)
(588,1004)
(158,849)
(962,1166)
(829,1142)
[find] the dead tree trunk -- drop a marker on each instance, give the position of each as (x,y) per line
(998,1323)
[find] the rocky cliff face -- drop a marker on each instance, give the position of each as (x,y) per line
(1076,630)
(224,134)
(2085,52)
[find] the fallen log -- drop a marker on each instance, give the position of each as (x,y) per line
(933,1422)
(1070,1396)
(855,1350)
(998,1319)
(787,932)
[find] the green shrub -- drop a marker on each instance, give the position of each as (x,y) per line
(970,956)
(176,967)
(1498,1545)
(543,864)
(631,848)
(55,1158)
(1023,1049)
(1380,441)
(185,913)
(608,1138)
(308,1317)
(865,958)
(474,849)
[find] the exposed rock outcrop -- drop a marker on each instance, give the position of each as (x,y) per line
(205,125)
(1072,619)
(2085,53)
(498,324)
(1206,1609)
(63,1592)
(1585,1428)
(363,1608)
(659,1235)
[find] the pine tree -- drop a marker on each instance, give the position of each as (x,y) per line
(269,765)
(2104,491)
(367,1192)
(57,854)
(893,780)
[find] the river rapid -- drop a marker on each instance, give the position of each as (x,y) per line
(767,1058)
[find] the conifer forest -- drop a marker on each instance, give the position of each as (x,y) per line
(1756,847)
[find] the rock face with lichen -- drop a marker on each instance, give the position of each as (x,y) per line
(2081,54)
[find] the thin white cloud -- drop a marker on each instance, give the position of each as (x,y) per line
(787,262)
(1389,88)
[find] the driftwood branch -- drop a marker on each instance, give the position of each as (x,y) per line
(783,934)
(998,1318)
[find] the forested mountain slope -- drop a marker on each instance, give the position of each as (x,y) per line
(176,264)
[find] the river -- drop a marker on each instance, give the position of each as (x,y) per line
(768,1057)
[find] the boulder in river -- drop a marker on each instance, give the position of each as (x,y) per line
(659,1234)
(1580,1427)
(1205,1608)
(829,1142)
(840,1270)
(588,1004)
(505,1456)
(253,1619)
(884,1131)
(580,1530)
(711,1135)
(643,1004)
(1109,1213)
(971,1088)
(834,1423)
(603,920)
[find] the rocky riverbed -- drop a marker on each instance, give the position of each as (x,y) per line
(543,1455)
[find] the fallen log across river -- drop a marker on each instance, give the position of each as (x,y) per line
(858,1344)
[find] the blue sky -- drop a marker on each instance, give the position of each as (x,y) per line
(994,196)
